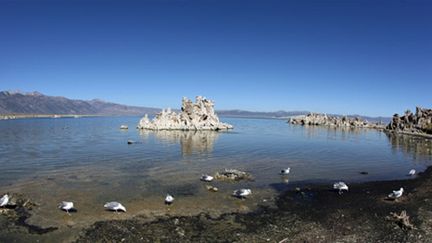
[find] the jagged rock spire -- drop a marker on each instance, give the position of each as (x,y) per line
(193,116)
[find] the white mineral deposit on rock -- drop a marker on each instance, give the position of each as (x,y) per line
(314,119)
(193,116)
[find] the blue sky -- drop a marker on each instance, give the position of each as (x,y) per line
(348,57)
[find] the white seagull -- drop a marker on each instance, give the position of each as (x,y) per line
(114,206)
(66,206)
(206,178)
(341,186)
(4,200)
(396,194)
(412,172)
(169,199)
(285,171)
(242,193)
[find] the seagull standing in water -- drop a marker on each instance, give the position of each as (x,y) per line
(341,186)
(396,194)
(206,178)
(66,206)
(242,193)
(412,172)
(169,199)
(285,171)
(114,206)
(4,200)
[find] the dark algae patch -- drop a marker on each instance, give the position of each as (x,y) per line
(309,214)
(14,216)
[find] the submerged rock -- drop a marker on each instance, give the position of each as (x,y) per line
(193,116)
(233,175)
(419,123)
(212,188)
(335,121)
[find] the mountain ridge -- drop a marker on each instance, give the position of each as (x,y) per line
(38,103)
(31,103)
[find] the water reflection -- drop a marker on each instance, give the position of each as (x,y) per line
(190,141)
(417,147)
(333,132)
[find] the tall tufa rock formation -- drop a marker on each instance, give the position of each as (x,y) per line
(418,123)
(193,116)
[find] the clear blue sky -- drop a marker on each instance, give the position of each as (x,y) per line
(365,57)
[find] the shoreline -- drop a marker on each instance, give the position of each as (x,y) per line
(314,213)
(423,135)
(27,116)
(299,215)
(54,116)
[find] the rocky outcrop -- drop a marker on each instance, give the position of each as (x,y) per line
(193,116)
(419,123)
(233,175)
(336,121)
(7,117)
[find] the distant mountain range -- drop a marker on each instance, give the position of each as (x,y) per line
(37,103)
(30,103)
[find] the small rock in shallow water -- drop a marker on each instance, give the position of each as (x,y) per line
(4,210)
(212,188)
(70,223)
(180,231)
(233,174)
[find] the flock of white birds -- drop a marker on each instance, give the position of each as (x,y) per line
(240,193)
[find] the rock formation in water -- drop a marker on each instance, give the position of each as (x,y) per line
(336,121)
(419,123)
(193,116)
(233,175)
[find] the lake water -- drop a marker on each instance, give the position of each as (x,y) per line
(88,160)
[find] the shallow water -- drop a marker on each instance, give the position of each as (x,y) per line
(88,160)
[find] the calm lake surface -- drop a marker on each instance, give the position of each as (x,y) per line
(88,160)
(33,147)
